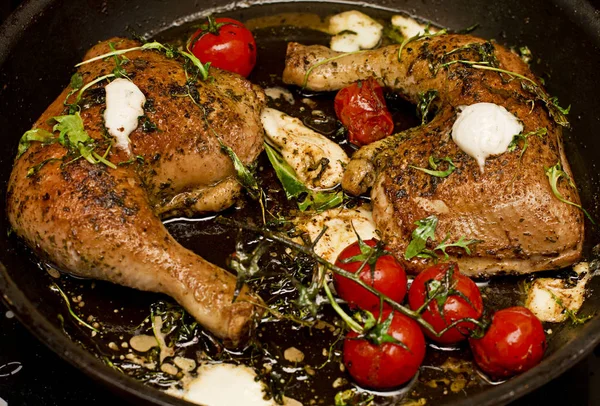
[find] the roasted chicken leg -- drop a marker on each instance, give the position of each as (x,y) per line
(510,206)
(98,222)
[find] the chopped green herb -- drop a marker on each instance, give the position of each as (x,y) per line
(425,230)
(38,135)
(554,173)
(393,33)
(295,188)
(434,163)
(514,144)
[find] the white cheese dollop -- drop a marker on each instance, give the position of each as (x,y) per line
(124,104)
(484,129)
(367,31)
(409,27)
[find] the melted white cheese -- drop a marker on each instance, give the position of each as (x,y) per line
(341,225)
(304,150)
(124,104)
(280,93)
(226,385)
(484,129)
(367,32)
(548,298)
(409,27)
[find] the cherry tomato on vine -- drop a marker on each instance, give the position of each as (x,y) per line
(361,109)
(385,357)
(457,297)
(226,43)
(514,343)
(382,272)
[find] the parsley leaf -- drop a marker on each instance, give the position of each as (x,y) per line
(424,231)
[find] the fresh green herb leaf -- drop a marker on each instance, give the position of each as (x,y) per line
(292,186)
(38,135)
(514,144)
(76,81)
(433,163)
(244,176)
(425,230)
(321,201)
(525,54)
(461,243)
(295,188)
(424,104)
(246,266)
(350,397)
(554,173)
(119,71)
(393,33)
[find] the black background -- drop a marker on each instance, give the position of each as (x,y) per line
(30,374)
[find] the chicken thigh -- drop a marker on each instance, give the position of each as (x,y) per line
(509,207)
(98,222)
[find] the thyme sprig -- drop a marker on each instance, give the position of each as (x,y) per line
(323,62)
(309,251)
(426,34)
(169,52)
(554,174)
(425,103)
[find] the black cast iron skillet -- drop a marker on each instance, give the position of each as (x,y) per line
(42,41)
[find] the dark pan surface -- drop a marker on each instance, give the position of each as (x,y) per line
(41,43)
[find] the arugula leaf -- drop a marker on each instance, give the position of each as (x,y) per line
(36,134)
(540,132)
(295,188)
(73,136)
(433,163)
(554,173)
(424,231)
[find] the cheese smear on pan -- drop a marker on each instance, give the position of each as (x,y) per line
(124,104)
(484,129)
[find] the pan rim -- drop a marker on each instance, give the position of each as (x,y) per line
(579,11)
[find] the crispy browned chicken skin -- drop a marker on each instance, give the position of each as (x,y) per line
(104,223)
(510,207)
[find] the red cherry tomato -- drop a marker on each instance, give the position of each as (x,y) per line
(225,43)
(387,276)
(361,109)
(454,307)
(387,365)
(514,343)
